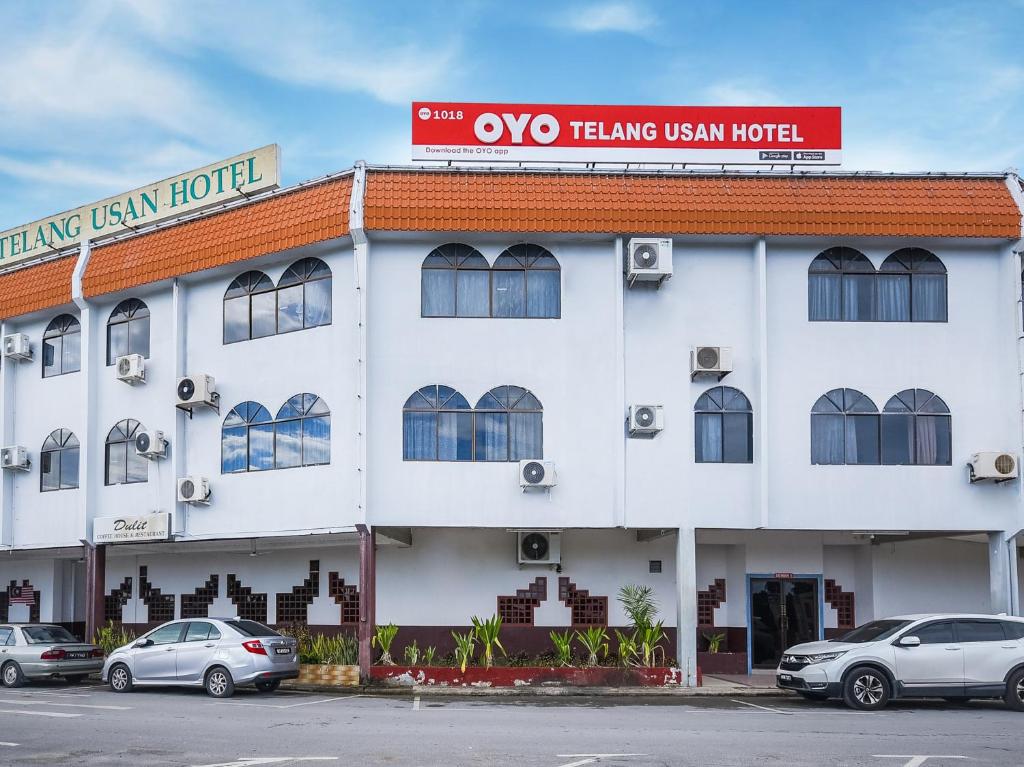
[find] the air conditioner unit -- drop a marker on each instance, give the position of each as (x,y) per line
(537,474)
(193,490)
(648,260)
(645,420)
(14,457)
(17,347)
(197,390)
(710,362)
(538,548)
(151,444)
(131,368)
(998,467)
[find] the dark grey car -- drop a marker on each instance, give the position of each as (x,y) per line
(44,651)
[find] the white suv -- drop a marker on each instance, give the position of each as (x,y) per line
(955,657)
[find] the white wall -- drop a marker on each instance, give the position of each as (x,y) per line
(931,576)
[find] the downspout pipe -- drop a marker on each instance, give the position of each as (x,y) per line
(1016,258)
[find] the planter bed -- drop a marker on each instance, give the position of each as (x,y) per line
(722,662)
(327,675)
(522,676)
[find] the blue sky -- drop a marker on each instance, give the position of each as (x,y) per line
(100,96)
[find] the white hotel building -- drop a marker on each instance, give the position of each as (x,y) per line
(388,343)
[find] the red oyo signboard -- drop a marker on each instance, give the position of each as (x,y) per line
(626,134)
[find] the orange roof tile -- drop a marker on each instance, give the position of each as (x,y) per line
(482,201)
(36,287)
(288,220)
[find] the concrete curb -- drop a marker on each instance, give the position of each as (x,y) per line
(543,692)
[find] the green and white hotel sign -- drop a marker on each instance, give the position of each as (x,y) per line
(238,176)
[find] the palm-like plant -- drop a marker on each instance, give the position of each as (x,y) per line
(428,655)
(465,645)
(650,638)
(487,632)
(628,648)
(563,646)
(384,636)
(412,653)
(594,640)
(639,605)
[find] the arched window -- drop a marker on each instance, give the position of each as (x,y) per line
(58,461)
(508,425)
(437,425)
(250,308)
(912,287)
(247,439)
(124,465)
(128,330)
(302,432)
(455,283)
(844,429)
(723,427)
(916,430)
(526,282)
(62,346)
(304,296)
(841,286)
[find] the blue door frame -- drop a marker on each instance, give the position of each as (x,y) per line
(750,618)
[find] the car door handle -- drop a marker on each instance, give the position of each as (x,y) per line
(170,649)
(209,645)
(953,649)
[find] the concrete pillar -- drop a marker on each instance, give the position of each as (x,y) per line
(95,588)
(686,604)
(999,573)
(367,597)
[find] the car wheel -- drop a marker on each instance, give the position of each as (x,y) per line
(120,678)
(219,683)
(1014,696)
(812,695)
(268,685)
(866,689)
(11,675)
(75,678)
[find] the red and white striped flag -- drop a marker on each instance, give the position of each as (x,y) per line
(21,595)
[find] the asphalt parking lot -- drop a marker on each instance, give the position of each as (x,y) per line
(58,725)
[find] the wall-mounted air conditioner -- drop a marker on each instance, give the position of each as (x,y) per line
(17,347)
(14,458)
(131,368)
(199,390)
(992,466)
(535,547)
(710,362)
(648,260)
(645,420)
(151,444)
(193,490)
(540,474)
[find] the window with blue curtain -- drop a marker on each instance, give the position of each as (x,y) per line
(437,425)
(526,281)
(916,430)
(302,432)
(841,286)
(723,427)
(455,282)
(912,287)
(845,429)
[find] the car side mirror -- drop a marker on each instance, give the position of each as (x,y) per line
(144,643)
(910,641)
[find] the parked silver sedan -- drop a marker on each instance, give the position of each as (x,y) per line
(42,651)
(218,654)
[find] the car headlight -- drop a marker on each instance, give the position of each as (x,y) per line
(824,657)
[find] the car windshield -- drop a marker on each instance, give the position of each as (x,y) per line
(48,635)
(252,628)
(872,632)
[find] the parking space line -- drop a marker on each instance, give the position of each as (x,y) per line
(287,705)
(42,694)
(416,703)
(66,705)
(54,714)
(5,743)
(763,708)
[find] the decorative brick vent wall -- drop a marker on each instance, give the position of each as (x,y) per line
(346,596)
(518,610)
(843,603)
(116,599)
(161,606)
(294,607)
(709,601)
(251,607)
(197,604)
(586,610)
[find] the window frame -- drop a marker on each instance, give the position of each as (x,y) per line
(248,422)
(847,412)
(913,413)
(845,256)
(133,310)
(302,273)
(911,259)
(61,438)
(62,326)
(304,280)
(250,290)
(721,413)
(129,442)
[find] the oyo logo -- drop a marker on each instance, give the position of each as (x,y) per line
(489,127)
(424,113)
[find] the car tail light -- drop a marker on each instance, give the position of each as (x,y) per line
(56,654)
(97,653)
(255,646)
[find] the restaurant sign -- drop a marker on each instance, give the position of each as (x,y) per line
(238,176)
(147,527)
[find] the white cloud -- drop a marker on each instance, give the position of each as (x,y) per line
(741,93)
(628,17)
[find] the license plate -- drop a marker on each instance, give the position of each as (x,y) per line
(283,650)
(786,677)
(75,656)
